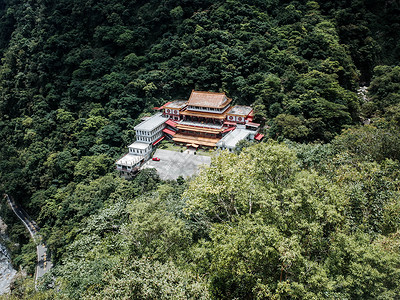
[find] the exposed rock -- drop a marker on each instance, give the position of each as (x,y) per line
(363,93)
(7,272)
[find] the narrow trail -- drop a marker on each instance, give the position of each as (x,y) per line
(44,263)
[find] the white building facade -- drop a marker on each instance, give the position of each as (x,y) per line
(231,140)
(148,134)
(150,130)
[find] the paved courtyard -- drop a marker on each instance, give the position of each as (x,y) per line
(173,164)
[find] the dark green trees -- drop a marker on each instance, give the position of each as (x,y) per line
(313,221)
(278,231)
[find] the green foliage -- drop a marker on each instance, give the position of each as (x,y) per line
(71,91)
(270,221)
(370,142)
(23,288)
(243,144)
(166,282)
(130,249)
(313,156)
(259,224)
(385,87)
(231,188)
(154,233)
(289,126)
(363,270)
(130,279)
(92,167)
(372,190)
(27,258)
(306,236)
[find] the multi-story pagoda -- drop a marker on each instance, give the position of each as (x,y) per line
(207,117)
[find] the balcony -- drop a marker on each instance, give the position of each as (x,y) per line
(199,124)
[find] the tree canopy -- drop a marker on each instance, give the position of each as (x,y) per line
(312,214)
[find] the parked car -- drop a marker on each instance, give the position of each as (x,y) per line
(156,159)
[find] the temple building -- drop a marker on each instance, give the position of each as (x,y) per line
(172,109)
(150,130)
(207,119)
(148,134)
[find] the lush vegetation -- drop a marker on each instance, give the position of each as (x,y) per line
(306,221)
(314,214)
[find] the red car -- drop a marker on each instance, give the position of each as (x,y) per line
(156,159)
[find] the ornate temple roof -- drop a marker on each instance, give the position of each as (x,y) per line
(208,99)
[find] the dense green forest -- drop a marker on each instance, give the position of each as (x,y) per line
(313,212)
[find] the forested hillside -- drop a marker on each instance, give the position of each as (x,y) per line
(312,213)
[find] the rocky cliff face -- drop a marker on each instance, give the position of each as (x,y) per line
(7,272)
